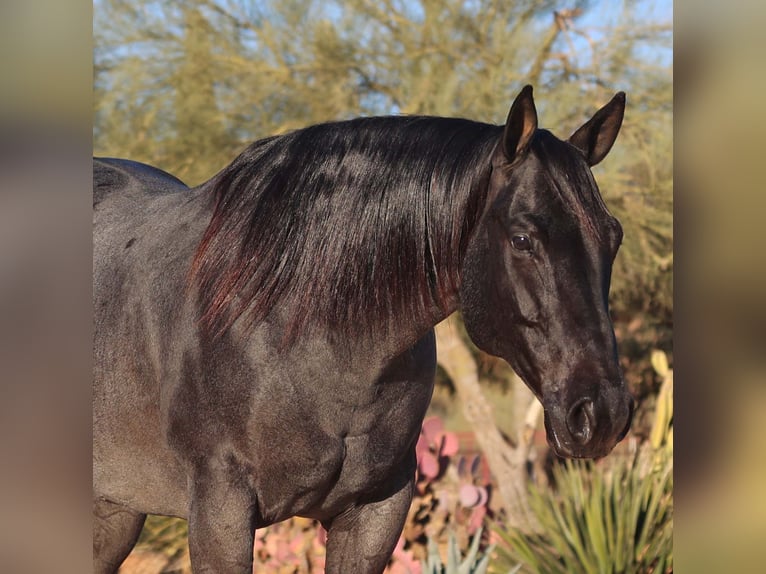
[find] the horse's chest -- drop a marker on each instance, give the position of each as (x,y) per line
(377,444)
(381,434)
(320,448)
(316,440)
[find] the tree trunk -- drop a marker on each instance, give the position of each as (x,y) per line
(506,462)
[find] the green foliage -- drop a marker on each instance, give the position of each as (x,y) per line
(167,536)
(616,521)
(471,563)
(615,516)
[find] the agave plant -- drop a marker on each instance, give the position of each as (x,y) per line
(615,516)
(471,563)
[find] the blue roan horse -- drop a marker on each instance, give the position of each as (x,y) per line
(264,342)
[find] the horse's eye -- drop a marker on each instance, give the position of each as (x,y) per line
(521,242)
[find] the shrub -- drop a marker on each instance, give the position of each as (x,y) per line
(612,516)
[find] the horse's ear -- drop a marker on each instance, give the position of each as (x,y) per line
(596,137)
(520,125)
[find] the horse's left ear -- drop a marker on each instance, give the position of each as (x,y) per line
(596,137)
(520,125)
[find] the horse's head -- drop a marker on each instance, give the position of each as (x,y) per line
(535,278)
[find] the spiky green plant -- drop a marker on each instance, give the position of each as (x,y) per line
(472,563)
(617,521)
(611,517)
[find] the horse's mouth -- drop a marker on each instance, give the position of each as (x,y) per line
(565,451)
(570,449)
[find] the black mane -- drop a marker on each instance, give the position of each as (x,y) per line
(347,224)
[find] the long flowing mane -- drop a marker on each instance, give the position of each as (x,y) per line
(345,224)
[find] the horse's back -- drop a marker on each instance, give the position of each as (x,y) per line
(112,174)
(144,228)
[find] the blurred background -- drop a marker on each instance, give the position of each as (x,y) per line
(272,67)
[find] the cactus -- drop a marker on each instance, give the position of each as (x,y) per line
(472,563)
(451,491)
(434,448)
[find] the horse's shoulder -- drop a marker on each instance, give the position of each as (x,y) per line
(112,174)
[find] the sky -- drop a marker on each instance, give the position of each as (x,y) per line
(605,13)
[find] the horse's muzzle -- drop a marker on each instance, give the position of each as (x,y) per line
(591,426)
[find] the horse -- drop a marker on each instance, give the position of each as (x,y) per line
(264,343)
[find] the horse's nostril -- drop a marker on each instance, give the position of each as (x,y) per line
(581,421)
(631,407)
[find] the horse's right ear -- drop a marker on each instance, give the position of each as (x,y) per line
(596,137)
(520,125)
